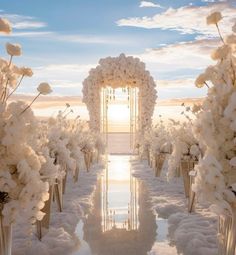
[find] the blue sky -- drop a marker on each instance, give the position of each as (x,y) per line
(62,40)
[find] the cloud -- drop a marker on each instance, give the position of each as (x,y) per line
(89,39)
(70,38)
(178,83)
(63,76)
(149,4)
(193,55)
(29,34)
(27,23)
(23,22)
(179,101)
(186,20)
(218,1)
(49,101)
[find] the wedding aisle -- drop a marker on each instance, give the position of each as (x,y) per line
(122,220)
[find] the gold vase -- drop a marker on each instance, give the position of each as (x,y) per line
(45,222)
(159,161)
(185,167)
(227,232)
(5,236)
(76,174)
(58,194)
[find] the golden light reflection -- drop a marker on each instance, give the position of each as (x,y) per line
(118,109)
(119,195)
(119,170)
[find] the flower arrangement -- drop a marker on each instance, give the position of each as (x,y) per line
(184,147)
(117,72)
(23,190)
(215,126)
(33,154)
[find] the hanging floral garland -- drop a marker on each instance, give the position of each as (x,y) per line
(120,72)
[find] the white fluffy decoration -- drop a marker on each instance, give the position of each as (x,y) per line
(118,72)
(215,128)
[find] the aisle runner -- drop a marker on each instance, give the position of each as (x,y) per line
(119,143)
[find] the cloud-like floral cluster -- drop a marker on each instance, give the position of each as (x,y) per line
(34,154)
(215,127)
(117,72)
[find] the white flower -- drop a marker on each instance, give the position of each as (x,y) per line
(214,18)
(5,26)
(220,53)
(231,39)
(201,80)
(44,88)
(233,162)
(13,49)
(116,72)
(194,150)
(26,71)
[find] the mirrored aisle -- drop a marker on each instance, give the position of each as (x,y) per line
(121,221)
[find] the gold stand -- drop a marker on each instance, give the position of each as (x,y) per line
(227,233)
(45,222)
(5,236)
(159,161)
(58,194)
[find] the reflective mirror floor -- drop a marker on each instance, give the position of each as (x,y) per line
(121,221)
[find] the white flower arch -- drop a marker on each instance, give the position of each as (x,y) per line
(118,72)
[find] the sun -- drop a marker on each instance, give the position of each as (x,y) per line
(118,117)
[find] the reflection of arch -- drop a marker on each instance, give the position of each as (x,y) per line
(121,241)
(119,72)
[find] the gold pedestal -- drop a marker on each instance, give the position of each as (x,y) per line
(186,167)
(76,174)
(5,237)
(227,233)
(159,161)
(58,194)
(45,222)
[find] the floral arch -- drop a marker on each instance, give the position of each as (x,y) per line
(120,72)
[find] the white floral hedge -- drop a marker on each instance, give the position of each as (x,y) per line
(34,153)
(215,126)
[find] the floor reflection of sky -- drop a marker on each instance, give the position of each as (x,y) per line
(133,229)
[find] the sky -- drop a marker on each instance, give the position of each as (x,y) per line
(62,40)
